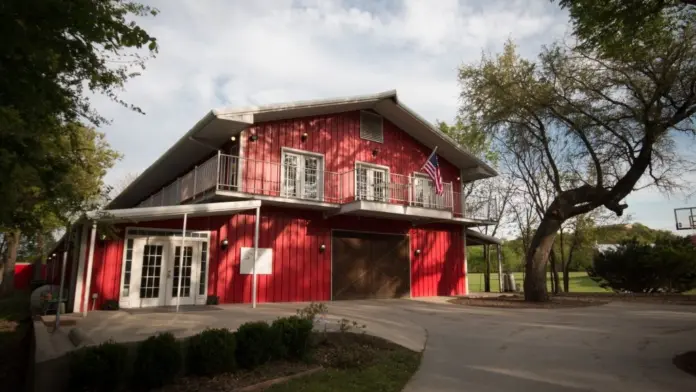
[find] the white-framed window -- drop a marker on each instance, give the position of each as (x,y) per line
(302,174)
(371,126)
(371,182)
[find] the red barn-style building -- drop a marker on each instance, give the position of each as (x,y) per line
(328,194)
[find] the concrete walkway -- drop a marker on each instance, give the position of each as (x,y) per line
(614,347)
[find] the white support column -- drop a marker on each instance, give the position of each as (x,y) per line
(256,255)
(64,263)
(500,268)
(90,262)
(80,275)
(181,263)
(466,263)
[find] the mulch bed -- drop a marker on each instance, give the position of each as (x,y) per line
(671,299)
(686,362)
(242,378)
(333,350)
(518,302)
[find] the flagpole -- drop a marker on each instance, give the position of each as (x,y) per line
(429,156)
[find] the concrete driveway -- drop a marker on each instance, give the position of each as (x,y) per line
(614,347)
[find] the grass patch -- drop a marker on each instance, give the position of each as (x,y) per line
(579,282)
(15,340)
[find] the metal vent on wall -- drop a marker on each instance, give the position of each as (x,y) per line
(371,127)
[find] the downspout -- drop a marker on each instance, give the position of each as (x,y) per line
(90,260)
(500,268)
(466,263)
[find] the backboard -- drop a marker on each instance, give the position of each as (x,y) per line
(685,218)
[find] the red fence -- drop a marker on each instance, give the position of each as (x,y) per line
(24,273)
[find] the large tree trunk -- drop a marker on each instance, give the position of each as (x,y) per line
(487,271)
(536,258)
(8,263)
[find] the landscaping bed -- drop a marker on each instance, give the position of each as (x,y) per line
(287,353)
(518,302)
(15,341)
(346,361)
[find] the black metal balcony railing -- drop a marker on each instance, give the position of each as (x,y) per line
(309,182)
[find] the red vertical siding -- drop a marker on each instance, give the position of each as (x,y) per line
(337,137)
(301,272)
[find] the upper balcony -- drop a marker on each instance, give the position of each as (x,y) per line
(300,180)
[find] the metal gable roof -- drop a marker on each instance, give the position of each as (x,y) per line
(218,125)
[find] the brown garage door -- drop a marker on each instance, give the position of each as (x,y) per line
(367,265)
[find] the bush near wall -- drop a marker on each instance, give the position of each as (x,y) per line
(294,334)
(211,352)
(257,343)
(98,368)
(158,361)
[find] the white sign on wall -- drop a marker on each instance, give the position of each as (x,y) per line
(264,265)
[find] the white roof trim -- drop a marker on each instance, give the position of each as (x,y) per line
(171,212)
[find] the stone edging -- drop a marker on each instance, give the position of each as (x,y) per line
(265,384)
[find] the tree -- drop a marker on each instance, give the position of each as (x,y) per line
(667,266)
(612,25)
(122,183)
(84,157)
(594,122)
(53,52)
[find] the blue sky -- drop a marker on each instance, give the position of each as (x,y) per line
(216,53)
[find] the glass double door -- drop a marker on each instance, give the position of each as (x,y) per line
(163,273)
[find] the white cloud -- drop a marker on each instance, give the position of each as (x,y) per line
(240,53)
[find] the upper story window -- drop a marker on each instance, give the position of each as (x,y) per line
(371,127)
(371,182)
(302,175)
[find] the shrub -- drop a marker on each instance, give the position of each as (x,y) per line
(211,352)
(98,368)
(256,344)
(311,311)
(667,266)
(158,361)
(294,335)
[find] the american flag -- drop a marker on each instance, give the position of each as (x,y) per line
(432,168)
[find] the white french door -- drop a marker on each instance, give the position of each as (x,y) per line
(371,183)
(149,272)
(424,192)
(187,272)
(302,176)
(157,267)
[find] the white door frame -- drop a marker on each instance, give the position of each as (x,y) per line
(300,175)
(168,237)
(370,188)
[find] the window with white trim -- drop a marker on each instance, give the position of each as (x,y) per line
(371,127)
(371,182)
(302,175)
(424,192)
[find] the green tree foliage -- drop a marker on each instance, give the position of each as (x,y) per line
(668,266)
(55,53)
(592,123)
(471,137)
(614,25)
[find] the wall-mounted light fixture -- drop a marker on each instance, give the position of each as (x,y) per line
(224,244)
(233,138)
(375,152)
(322,248)
(418,251)
(253,137)
(459,178)
(304,137)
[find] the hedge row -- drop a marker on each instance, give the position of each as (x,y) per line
(160,359)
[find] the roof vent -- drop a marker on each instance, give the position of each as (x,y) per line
(371,127)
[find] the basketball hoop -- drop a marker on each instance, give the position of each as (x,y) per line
(685,218)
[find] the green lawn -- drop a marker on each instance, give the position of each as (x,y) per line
(388,371)
(579,282)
